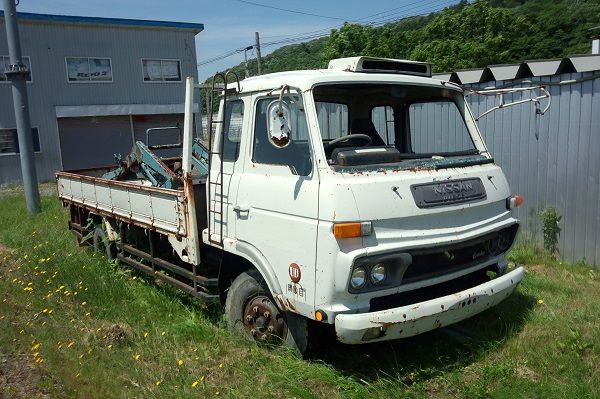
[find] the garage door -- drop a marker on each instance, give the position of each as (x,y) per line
(89,142)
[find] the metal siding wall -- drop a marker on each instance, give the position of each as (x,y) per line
(49,44)
(562,168)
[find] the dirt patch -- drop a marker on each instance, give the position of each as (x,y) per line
(526,373)
(21,378)
(46,189)
(4,249)
(110,333)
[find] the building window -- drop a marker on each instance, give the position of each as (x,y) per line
(158,70)
(9,141)
(5,62)
(88,69)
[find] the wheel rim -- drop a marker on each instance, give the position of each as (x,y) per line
(263,321)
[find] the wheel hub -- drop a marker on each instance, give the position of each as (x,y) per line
(263,320)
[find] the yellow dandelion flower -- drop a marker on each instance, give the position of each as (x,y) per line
(35,347)
(70,344)
(109,346)
(195,384)
(83,303)
(180,362)
(540,301)
(221,365)
(137,357)
(146,334)
(45,310)
(28,289)
(163,333)
(36,354)
(158,383)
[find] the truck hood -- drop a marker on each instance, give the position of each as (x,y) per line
(386,199)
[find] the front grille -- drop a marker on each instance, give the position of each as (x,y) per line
(431,292)
(433,262)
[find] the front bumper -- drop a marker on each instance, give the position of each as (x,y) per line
(410,320)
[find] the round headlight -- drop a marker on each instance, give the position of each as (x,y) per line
(378,273)
(359,278)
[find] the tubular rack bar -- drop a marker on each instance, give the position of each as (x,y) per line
(198,282)
(218,182)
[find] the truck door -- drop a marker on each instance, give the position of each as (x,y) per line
(277,201)
(232,128)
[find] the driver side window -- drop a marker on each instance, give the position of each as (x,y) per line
(296,155)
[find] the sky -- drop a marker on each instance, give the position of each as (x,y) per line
(230,24)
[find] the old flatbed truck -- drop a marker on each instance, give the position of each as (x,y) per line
(302,212)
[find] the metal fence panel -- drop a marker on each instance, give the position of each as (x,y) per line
(562,167)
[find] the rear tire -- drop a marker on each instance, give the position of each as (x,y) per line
(248,299)
(101,243)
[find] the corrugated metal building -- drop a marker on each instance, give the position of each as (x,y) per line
(560,167)
(96,85)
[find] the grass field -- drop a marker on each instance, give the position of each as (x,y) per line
(74,325)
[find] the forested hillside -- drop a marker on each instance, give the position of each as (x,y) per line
(466,35)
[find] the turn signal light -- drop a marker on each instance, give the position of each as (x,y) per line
(349,230)
(514,202)
(320,316)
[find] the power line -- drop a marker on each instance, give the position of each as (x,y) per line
(322,33)
(415,5)
(434,5)
(292,11)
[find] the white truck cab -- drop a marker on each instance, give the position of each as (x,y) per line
(361,196)
(365,197)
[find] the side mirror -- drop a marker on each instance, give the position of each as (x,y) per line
(278,122)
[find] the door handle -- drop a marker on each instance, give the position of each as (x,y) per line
(241,208)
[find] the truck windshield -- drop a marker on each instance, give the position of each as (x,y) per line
(380,124)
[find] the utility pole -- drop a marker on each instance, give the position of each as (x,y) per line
(258,57)
(17,73)
(246,71)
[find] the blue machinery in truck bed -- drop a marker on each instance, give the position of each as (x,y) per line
(143,163)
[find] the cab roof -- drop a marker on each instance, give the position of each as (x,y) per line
(306,80)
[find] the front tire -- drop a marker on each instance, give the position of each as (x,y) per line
(252,313)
